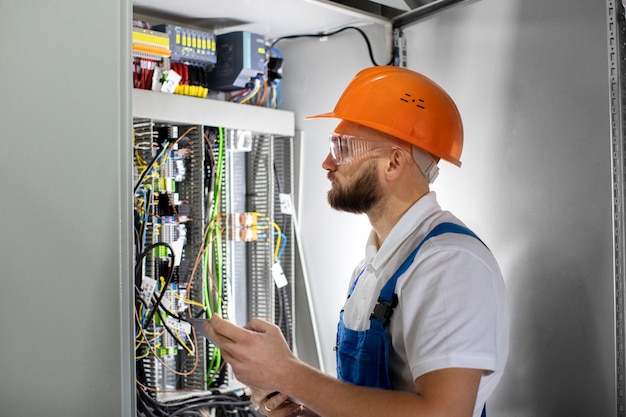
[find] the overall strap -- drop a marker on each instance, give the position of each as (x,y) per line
(387,293)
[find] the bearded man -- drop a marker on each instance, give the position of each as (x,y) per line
(424,330)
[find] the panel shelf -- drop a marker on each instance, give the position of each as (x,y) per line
(197,111)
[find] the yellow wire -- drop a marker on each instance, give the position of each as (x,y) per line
(178,338)
(141,163)
(278,240)
(180,341)
(152,349)
(187,300)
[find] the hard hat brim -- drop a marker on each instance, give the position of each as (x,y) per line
(329,115)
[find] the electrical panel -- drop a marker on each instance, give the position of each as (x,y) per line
(213,235)
(235,66)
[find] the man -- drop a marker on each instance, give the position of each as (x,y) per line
(424,330)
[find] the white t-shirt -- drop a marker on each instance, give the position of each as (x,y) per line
(452,309)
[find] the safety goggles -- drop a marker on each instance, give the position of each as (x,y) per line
(347,148)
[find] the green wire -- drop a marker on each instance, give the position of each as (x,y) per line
(216,358)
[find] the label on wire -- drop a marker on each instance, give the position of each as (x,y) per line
(170,81)
(168,300)
(279,275)
(181,326)
(148,285)
(285,203)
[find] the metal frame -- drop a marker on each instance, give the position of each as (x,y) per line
(424,12)
(617,74)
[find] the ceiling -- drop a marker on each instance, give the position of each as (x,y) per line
(272,18)
(386,8)
(277,18)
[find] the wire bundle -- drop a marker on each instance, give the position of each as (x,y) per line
(264,89)
(161,309)
(143,72)
(171,359)
(194,79)
(216,404)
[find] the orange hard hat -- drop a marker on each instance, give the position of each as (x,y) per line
(406,105)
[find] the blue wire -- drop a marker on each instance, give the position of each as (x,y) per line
(280,94)
(283,244)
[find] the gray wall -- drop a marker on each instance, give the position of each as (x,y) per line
(531,80)
(66,329)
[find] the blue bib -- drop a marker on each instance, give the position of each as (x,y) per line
(363,356)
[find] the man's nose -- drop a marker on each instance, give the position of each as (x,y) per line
(329,163)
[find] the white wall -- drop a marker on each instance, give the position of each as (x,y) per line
(531,80)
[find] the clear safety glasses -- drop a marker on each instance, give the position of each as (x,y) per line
(346,148)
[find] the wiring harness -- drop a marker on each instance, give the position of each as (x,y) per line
(216,404)
(178,371)
(169,354)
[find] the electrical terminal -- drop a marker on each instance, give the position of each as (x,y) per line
(248,227)
(247,219)
(166,351)
(175,166)
(175,235)
(248,234)
(165,184)
(174,299)
(149,43)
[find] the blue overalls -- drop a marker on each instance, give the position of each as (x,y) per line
(363,356)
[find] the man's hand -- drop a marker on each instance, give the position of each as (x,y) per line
(257,352)
(276,404)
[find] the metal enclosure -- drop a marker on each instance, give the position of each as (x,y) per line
(66,214)
(617,79)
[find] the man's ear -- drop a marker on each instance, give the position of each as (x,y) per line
(398,161)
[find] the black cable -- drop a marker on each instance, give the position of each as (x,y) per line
(168,281)
(145,171)
(137,240)
(138,223)
(226,404)
(142,406)
(210,166)
(323,35)
(158,313)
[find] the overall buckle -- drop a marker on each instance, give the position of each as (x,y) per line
(384,309)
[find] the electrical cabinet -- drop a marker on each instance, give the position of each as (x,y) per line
(213,234)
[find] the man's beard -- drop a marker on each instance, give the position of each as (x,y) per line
(358,197)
